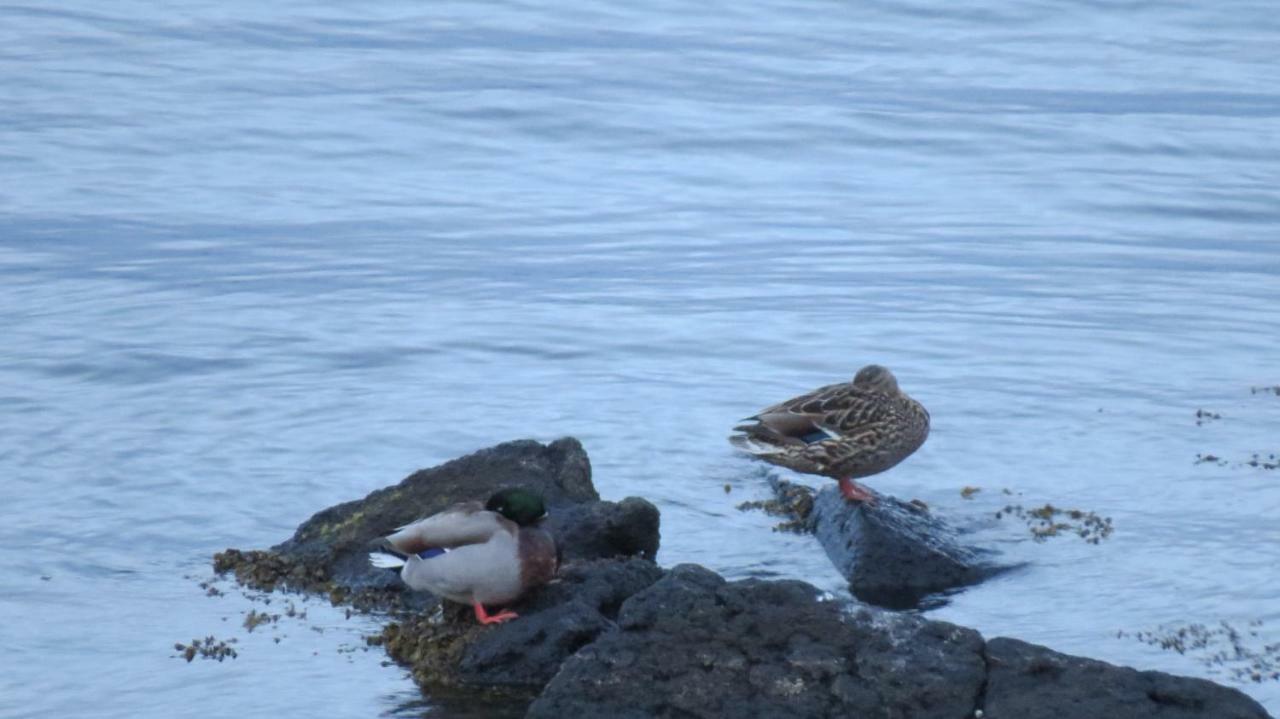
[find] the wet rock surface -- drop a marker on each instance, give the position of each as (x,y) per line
(1025,681)
(895,554)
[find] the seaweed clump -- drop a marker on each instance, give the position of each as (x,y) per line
(1269,462)
(1220,645)
(255,618)
(1050,521)
(791,500)
(1257,461)
(270,570)
(432,647)
(266,570)
(1204,415)
(207,648)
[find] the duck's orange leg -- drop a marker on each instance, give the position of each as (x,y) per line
(855,492)
(485,618)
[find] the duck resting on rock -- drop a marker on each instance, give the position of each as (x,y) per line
(475,553)
(843,431)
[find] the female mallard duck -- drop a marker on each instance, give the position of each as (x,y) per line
(841,431)
(476,554)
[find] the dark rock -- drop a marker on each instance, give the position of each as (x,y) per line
(340,535)
(1025,681)
(606,529)
(926,668)
(558,622)
(895,554)
(602,585)
(529,652)
(695,645)
(329,552)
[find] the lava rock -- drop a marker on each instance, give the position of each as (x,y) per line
(695,645)
(329,552)
(570,614)
(1025,681)
(606,529)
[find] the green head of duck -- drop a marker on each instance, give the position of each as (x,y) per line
(521,506)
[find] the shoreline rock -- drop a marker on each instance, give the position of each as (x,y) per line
(703,646)
(617,635)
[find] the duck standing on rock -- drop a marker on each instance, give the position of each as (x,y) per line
(476,554)
(843,431)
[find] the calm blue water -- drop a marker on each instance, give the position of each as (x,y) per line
(256,259)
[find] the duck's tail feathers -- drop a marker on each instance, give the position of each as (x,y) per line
(752,444)
(384,560)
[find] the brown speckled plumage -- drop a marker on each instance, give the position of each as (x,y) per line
(843,431)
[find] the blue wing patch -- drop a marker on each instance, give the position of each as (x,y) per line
(432,552)
(816,435)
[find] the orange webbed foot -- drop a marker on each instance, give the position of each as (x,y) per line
(485,618)
(855,492)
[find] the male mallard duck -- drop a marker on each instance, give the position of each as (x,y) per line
(842,431)
(476,554)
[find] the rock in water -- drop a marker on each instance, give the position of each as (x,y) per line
(895,554)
